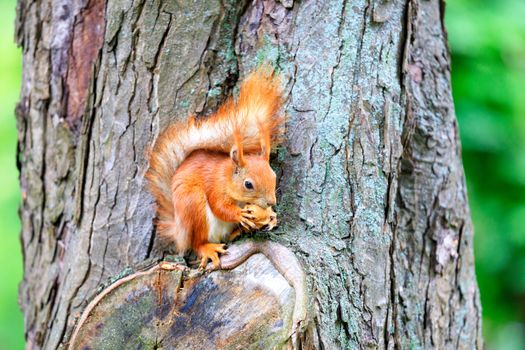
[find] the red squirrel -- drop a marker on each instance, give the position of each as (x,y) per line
(211,177)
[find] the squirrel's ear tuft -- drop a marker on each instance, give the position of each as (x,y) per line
(237,156)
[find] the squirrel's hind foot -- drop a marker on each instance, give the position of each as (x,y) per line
(210,251)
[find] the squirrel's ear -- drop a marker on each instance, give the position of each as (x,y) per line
(237,156)
(265,146)
(265,152)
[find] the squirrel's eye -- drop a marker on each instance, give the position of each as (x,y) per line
(248,184)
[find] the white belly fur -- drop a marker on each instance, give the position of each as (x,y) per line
(218,230)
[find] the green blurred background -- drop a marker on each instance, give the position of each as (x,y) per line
(11,322)
(487,39)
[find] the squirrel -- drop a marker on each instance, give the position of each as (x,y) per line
(211,177)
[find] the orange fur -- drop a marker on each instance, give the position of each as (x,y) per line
(203,165)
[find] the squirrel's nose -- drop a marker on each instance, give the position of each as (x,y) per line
(271,202)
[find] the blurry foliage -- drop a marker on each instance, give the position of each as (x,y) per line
(11,323)
(487,39)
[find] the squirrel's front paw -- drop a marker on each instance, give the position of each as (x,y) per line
(248,217)
(247,223)
(257,218)
(272,220)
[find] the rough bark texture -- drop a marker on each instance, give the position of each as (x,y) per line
(372,193)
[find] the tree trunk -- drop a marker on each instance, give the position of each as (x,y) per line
(372,197)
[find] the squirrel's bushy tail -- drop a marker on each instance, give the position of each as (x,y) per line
(253,118)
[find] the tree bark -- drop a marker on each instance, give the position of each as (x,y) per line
(372,197)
